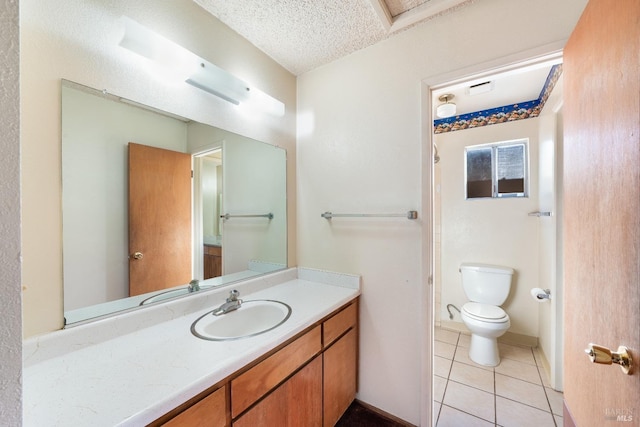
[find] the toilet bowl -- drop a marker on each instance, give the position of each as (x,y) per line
(485,328)
(487,287)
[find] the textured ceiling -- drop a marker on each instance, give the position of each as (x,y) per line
(304,34)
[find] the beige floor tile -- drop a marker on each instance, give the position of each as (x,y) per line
(517,353)
(439,385)
(470,400)
(462,356)
(559,420)
(450,417)
(521,391)
(444,335)
(441,366)
(472,376)
(522,371)
(555,400)
(444,349)
(514,414)
(464,341)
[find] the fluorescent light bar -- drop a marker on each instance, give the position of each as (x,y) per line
(194,70)
(161,51)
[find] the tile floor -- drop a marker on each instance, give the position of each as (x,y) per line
(515,393)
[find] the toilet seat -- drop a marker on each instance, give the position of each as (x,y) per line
(485,312)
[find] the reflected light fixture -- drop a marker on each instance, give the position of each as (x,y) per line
(198,72)
(447,109)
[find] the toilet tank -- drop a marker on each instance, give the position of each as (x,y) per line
(486,284)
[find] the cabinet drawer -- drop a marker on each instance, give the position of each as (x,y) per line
(209,412)
(338,324)
(259,380)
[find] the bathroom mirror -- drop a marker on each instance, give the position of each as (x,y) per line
(237,209)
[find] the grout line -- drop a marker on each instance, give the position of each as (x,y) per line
(495,399)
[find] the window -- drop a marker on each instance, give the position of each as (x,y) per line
(496,170)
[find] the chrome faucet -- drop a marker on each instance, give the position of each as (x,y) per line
(232,303)
(194,286)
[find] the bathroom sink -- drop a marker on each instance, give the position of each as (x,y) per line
(254,317)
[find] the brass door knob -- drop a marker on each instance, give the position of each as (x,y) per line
(602,355)
(137,255)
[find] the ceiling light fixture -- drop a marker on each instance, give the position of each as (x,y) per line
(198,72)
(447,109)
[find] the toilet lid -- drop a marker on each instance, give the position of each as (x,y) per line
(486,312)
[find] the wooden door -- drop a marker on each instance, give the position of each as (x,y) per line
(159,218)
(602,212)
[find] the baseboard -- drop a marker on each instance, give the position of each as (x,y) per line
(385,414)
(454,326)
(507,338)
(545,363)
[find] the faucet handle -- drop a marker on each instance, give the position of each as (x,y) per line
(233,295)
(194,285)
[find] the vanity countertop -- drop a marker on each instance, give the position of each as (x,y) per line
(131,369)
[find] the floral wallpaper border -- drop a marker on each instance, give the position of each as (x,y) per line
(507,113)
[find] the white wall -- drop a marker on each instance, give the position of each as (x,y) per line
(10,277)
(360,149)
(78,40)
(490,231)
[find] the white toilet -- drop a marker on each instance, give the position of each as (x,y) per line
(487,287)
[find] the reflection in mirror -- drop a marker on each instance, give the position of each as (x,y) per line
(234,177)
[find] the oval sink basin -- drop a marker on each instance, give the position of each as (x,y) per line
(254,317)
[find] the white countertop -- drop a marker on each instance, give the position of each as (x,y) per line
(145,363)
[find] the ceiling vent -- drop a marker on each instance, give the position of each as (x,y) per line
(481,88)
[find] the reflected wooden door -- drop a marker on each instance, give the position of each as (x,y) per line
(602,212)
(159,219)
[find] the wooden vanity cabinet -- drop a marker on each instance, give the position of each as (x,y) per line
(340,359)
(208,412)
(212,261)
(297,402)
(309,382)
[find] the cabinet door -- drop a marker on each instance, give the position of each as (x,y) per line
(340,376)
(209,412)
(212,261)
(263,377)
(297,402)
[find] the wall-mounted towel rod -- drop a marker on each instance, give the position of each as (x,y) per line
(539,214)
(268,215)
(408,215)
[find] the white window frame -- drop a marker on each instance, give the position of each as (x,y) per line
(495,146)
